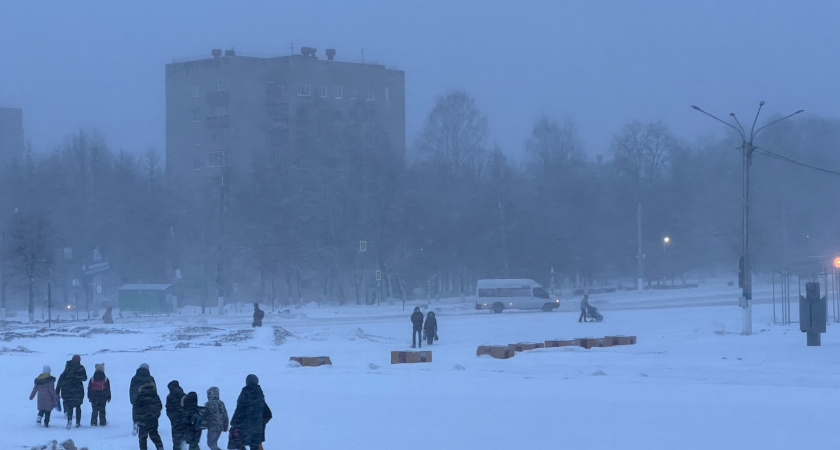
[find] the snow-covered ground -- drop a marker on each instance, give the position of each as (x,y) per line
(691,382)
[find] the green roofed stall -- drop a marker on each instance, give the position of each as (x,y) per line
(147,298)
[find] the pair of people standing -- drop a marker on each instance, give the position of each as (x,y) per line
(419,328)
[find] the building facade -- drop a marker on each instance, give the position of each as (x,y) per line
(229,113)
(11,135)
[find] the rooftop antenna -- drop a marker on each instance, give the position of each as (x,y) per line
(363,55)
(293,48)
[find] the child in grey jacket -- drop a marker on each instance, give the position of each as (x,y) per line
(216,416)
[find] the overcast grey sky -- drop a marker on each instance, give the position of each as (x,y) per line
(101,63)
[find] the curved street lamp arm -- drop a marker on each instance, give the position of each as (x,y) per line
(777,121)
(721,121)
(738,122)
(752,130)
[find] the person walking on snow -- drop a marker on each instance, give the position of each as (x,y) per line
(47,397)
(430,327)
(98,393)
(189,410)
(247,427)
(71,389)
(146,412)
(258,316)
(174,411)
(416,327)
(584,303)
(216,416)
(141,378)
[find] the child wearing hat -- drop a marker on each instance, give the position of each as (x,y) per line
(47,398)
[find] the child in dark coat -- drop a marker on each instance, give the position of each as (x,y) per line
(189,409)
(430,327)
(146,411)
(99,393)
(216,416)
(47,398)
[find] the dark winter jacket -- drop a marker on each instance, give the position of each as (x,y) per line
(584,302)
(147,405)
(45,388)
(258,316)
(215,411)
(251,415)
(431,324)
(95,395)
(174,410)
(141,378)
(70,385)
(189,411)
(417,319)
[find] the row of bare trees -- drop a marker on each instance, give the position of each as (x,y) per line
(342,218)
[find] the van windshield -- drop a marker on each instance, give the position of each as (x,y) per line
(540,293)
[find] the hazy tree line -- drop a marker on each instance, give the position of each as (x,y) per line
(340,220)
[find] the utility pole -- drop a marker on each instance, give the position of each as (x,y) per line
(747,149)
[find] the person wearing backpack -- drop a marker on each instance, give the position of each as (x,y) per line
(215,418)
(174,411)
(99,393)
(193,418)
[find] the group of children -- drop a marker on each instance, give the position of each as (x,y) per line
(70,388)
(187,418)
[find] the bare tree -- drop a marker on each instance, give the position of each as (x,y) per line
(643,153)
(31,253)
(455,131)
(552,144)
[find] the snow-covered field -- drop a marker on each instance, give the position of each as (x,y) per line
(691,381)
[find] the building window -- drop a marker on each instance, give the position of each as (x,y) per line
(215,159)
(354,94)
(220,111)
(195,115)
(371,97)
(304,90)
(196,91)
(387,93)
(220,87)
(339,92)
(323,91)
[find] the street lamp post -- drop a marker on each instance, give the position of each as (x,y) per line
(665,241)
(747,149)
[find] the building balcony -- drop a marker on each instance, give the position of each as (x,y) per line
(218,98)
(218,122)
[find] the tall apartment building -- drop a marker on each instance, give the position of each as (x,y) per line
(228,112)
(11,135)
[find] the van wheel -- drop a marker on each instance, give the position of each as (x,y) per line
(547,307)
(497,307)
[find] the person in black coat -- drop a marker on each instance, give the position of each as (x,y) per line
(146,411)
(430,327)
(174,410)
(417,327)
(71,389)
(258,316)
(98,393)
(141,378)
(247,427)
(189,411)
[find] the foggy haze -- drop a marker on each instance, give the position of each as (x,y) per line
(601,63)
